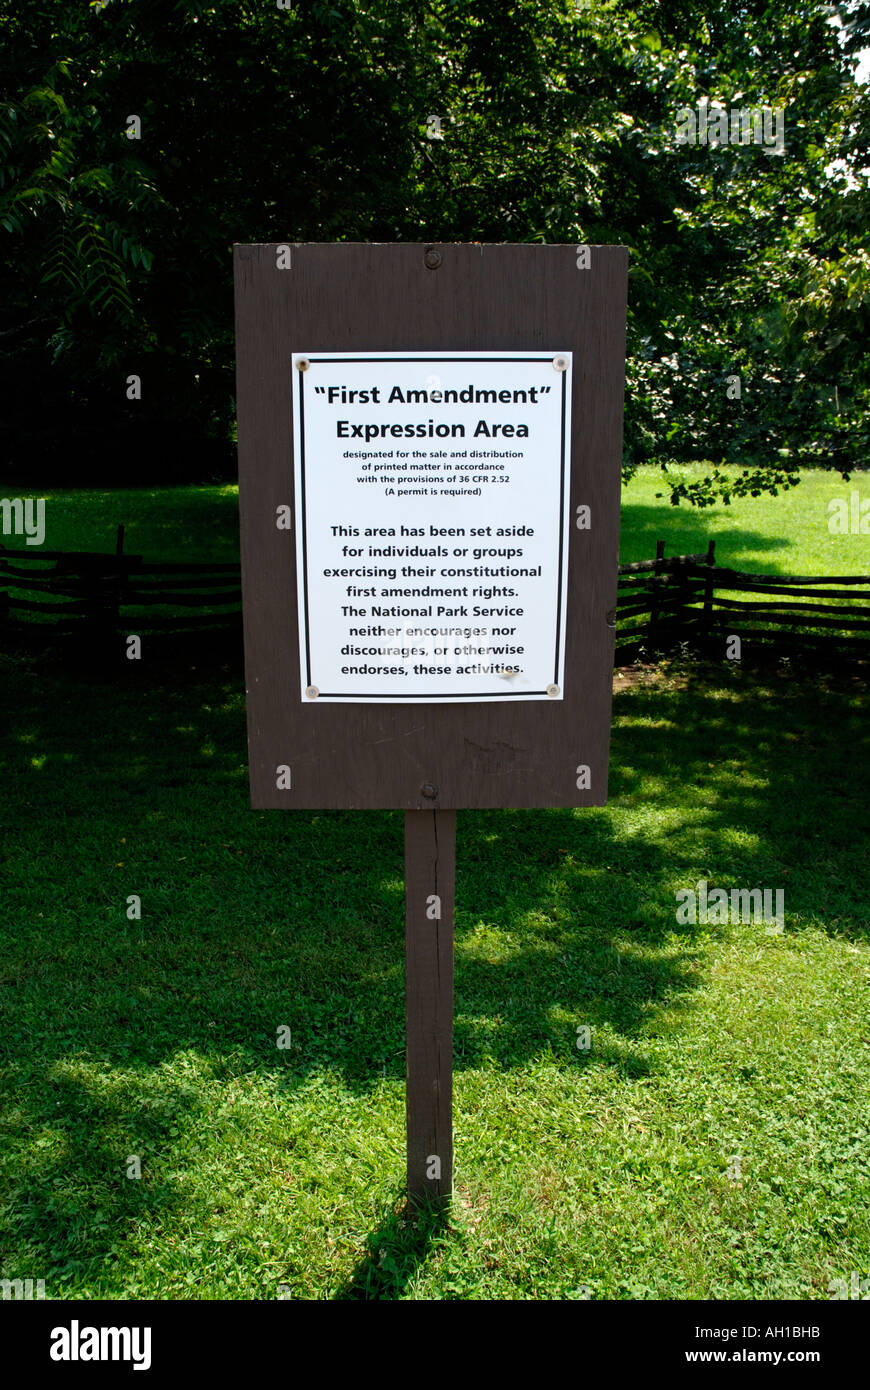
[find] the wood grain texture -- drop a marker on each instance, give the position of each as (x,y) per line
(430,870)
(368,297)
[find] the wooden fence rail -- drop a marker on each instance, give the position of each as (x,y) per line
(661,603)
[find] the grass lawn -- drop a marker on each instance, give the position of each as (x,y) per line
(713,1142)
(609,1173)
(787,534)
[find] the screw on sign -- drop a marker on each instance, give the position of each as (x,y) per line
(453,441)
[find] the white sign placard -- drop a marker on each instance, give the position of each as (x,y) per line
(431,522)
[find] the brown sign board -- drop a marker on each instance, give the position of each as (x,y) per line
(334,343)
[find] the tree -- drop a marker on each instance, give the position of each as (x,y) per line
(557,123)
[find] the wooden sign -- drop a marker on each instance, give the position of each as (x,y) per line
(430,447)
(356,299)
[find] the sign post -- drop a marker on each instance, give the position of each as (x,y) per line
(429,464)
(430,858)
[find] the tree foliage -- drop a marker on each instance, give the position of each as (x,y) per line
(557,123)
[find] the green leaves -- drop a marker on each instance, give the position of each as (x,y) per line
(558,124)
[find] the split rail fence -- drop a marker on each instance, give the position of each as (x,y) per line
(662,603)
(689,599)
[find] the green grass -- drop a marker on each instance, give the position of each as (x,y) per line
(787,534)
(161,524)
(604,1172)
(608,1173)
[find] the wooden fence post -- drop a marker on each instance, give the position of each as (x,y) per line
(119,582)
(707,620)
(654,607)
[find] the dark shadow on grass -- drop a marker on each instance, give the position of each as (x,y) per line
(76,1194)
(254,920)
(396,1250)
(686,531)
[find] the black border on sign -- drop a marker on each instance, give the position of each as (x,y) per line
(499,695)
